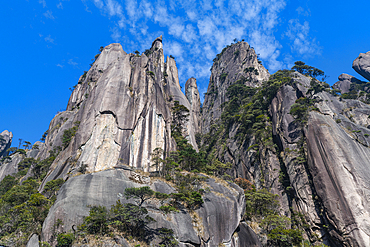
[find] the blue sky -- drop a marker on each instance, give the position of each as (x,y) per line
(47,44)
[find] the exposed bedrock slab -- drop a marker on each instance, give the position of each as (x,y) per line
(122,107)
(213,223)
(341,174)
(362,65)
(5,142)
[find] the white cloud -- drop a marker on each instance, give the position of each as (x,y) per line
(49,14)
(49,39)
(60,5)
(73,63)
(116,34)
(303,44)
(43,2)
(60,66)
(195,31)
(147,9)
(175,49)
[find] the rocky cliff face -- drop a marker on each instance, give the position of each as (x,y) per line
(296,138)
(322,162)
(121,110)
(210,225)
(345,82)
(5,142)
(237,62)
(362,65)
(192,94)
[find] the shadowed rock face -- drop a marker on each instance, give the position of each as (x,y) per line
(362,65)
(234,63)
(215,222)
(5,142)
(331,188)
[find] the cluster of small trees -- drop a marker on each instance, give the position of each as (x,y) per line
(130,219)
(23,209)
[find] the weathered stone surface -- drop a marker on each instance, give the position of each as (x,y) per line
(192,94)
(123,108)
(345,81)
(245,236)
(226,70)
(287,135)
(210,225)
(341,174)
(362,65)
(34,241)
(10,167)
(5,142)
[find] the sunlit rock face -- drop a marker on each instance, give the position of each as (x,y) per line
(362,65)
(121,109)
(215,224)
(192,94)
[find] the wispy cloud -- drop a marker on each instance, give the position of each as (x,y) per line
(49,14)
(303,44)
(60,66)
(73,63)
(203,28)
(49,39)
(43,2)
(60,5)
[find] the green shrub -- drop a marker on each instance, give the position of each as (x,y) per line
(285,237)
(68,134)
(260,203)
(97,221)
(167,209)
(151,73)
(223,77)
(52,187)
(6,184)
(131,218)
(338,120)
(65,240)
(167,237)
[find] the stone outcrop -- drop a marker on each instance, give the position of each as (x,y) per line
(121,109)
(329,182)
(212,224)
(345,81)
(237,62)
(5,142)
(10,166)
(362,65)
(34,241)
(192,94)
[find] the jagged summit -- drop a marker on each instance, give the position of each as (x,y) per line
(286,136)
(123,108)
(237,62)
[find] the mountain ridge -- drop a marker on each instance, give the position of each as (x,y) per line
(287,133)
